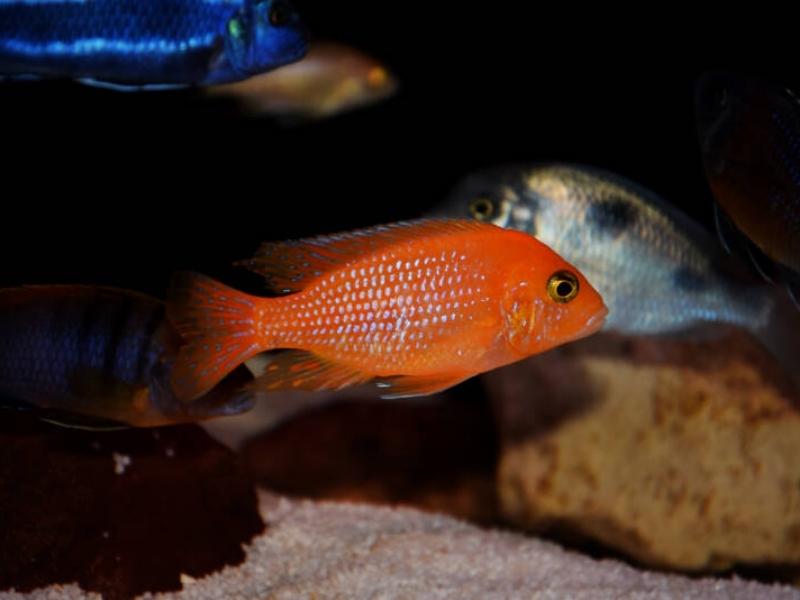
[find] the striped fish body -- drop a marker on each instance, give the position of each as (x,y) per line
(97,352)
(133,42)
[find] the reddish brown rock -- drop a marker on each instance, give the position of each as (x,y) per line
(118,513)
(681,454)
(438,454)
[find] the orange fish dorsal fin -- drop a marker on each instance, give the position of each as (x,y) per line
(300,370)
(289,266)
(408,386)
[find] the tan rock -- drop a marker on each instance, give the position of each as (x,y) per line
(681,454)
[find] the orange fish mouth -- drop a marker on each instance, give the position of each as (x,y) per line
(597,321)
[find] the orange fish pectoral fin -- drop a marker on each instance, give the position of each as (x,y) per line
(300,370)
(408,386)
(289,266)
(220,331)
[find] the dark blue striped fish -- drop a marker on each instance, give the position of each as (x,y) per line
(134,44)
(97,352)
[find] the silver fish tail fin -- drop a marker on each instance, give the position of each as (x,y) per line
(781,332)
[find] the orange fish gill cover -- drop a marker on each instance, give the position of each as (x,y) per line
(419,306)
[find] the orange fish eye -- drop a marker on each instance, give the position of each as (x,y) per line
(562,287)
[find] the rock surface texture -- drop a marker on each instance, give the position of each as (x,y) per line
(682,455)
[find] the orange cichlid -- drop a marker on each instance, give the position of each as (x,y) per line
(417,306)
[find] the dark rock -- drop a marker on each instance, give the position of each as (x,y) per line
(437,453)
(119,513)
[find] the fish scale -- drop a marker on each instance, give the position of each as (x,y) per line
(47,342)
(390,309)
(124,20)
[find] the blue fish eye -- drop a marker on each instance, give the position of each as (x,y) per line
(235,28)
(280,13)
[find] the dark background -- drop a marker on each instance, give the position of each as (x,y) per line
(121,189)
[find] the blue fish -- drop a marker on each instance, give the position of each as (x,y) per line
(83,355)
(148,44)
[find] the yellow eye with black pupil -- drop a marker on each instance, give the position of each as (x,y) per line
(481,209)
(562,286)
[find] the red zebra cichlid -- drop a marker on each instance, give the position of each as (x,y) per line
(418,306)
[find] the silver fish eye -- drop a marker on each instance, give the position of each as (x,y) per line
(482,209)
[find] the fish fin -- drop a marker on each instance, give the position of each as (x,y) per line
(765,267)
(290,266)
(22,296)
(219,328)
(726,232)
(793,289)
(62,418)
(778,333)
(258,364)
(78,421)
(408,386)
(301,370)
(737,245)
(229,397)
(127,87)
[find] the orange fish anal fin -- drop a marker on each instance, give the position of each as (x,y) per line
(289,266)
(408,386)
(300,370)
(219,327)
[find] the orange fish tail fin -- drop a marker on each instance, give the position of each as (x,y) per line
(219,327)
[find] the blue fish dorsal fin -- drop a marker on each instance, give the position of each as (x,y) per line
(290,266)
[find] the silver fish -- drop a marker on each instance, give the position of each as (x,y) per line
(657,270)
